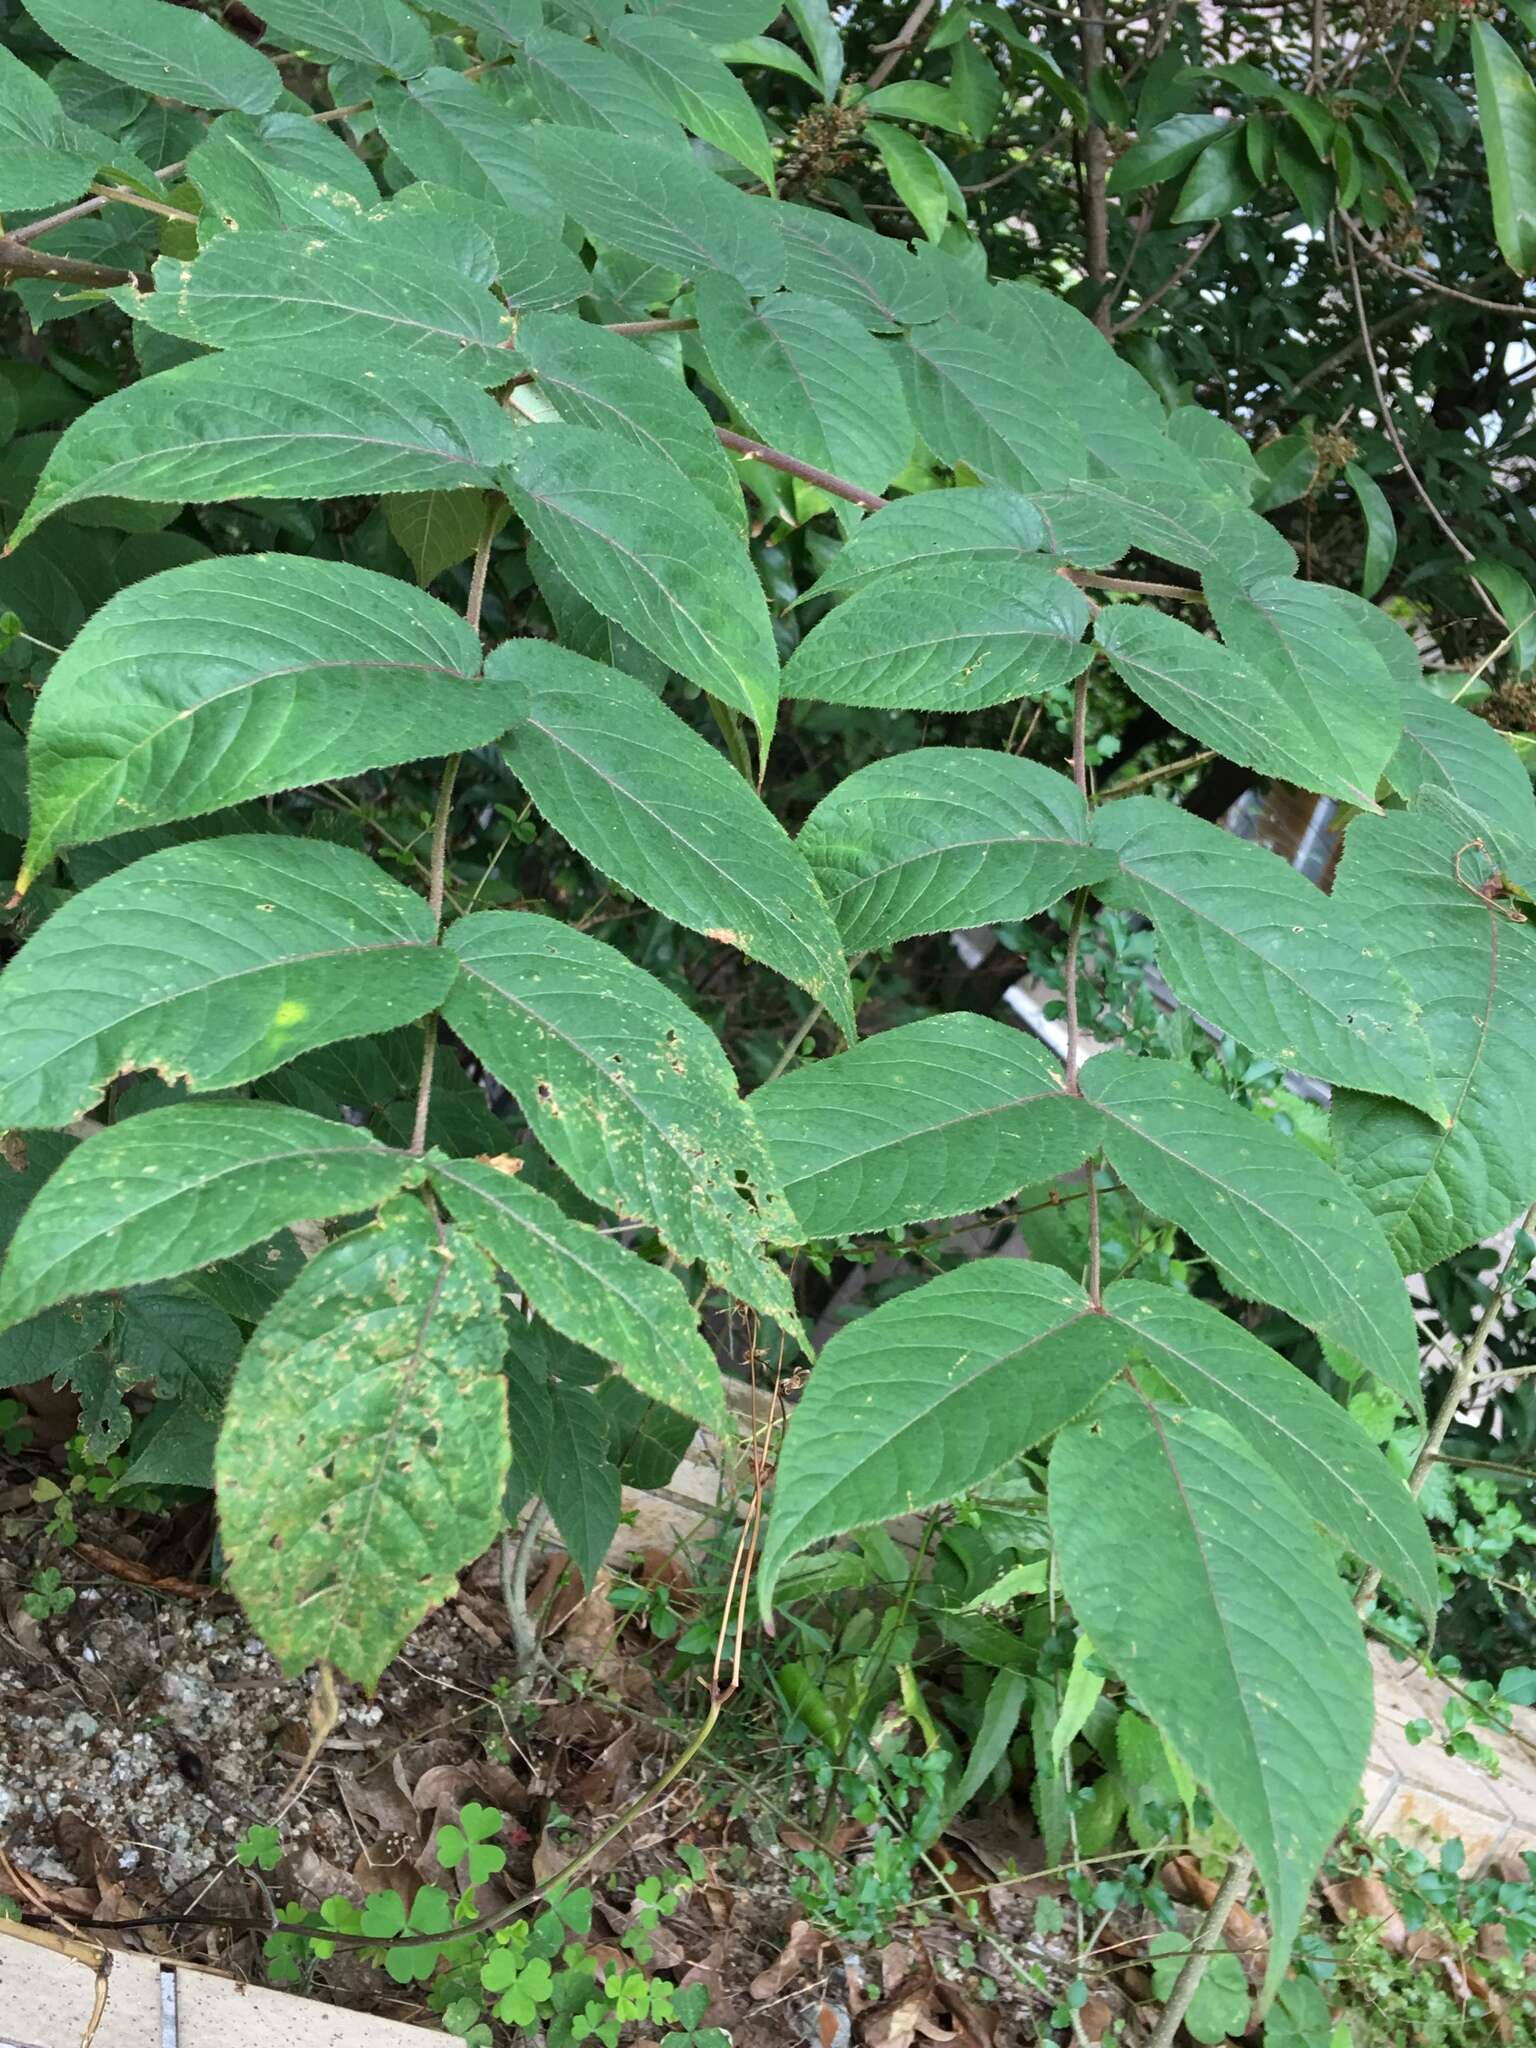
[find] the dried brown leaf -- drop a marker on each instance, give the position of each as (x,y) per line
(794,1960)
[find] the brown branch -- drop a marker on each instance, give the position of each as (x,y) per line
(823,479)
(633,328)
(1134,586)
(1431,283)
(18,260)
(898,47)
(1095,167)
(1174,277)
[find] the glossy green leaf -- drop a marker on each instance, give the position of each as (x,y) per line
(626,1089)
(713,21)
(230,679)
(276,170)
(1280,1225)
(364,1449)
(582,87)
(1253,946)
(930,1394)
(963,387)
(1218,181)
(1506,114)
(600,380)
(163,49)
(1380,529)
(445,128)
(694,86)
(650,552)
(662,812)
(1472,970)
(873,277)
(945,838)
(930,1120)
(171,1189)
(914,173)
(654,201)
(589,1287)
(43,160)
(1201,1581)
(984,526)
(381,283)
(945,638)
(1512,593)
(1309,1442)
(292,423)
(1265,713)
(382,32)
(804,375)
(1168,149)
(211,963)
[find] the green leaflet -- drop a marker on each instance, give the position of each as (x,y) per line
(1165,151)
(446,129)
(626,1089)
(1310,1443)
(1202,1582)
(944,838)
(648,551)
(163,49)
(276,423)
(713,21)
(276,170)
(381,32)
(1264,718)
(1207,531)
(693,85)
(600,380)
(869,276)
(1506,114)
(963,387)
(930,1394)
(44,159)
(1444,747)
(177,1188)
(364,1447)
(941,637)
(187,1347)
(1281,1226)
(1472,970)
(1380,529)
(530,266)
(915,176)
(578,1480)
(1254,947)
(930,1120)
(654,201)
(804,375)
(381,282)
(571,82)
(229,679)
(661,811)
(213,963)
(588,1286)
(986,525)
(436,529)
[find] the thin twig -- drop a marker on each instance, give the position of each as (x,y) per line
(1430,282)
(1174,277)
(1095,167)
(1205,1944)
(904,38)
(120,195)
(515,1563)
(823,479)
(1168,768)
(17,259)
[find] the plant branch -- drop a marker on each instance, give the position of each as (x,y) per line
(437,869)
(121,196)
(823,479)
(903,40)
(1168,768)
(1095,167)
(1205,1944)
(638,327)
(18,260)
(1175,276)
(1429,281)
(515,1563)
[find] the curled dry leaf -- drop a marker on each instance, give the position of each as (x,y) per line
(797,1957)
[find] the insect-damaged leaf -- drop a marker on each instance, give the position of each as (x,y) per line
(364,1448)
(628,1091)
(172,1189)
(213,962)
